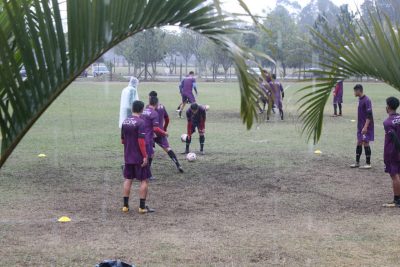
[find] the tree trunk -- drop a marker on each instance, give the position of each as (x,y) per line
(129,68)
(145,71)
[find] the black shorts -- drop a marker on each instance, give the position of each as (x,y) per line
(136,171)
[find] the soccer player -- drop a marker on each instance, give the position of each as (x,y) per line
(279,94)
(338,98)
(162,141)
(196,118)
(365,127)
(136,157)
(391,154)
(265,97)
(188,84)
(151,126)
(128,96)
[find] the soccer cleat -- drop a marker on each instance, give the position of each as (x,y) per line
(202,153)
(125,209)
(146,210)
(334,115)
(152,178)
(180,169)
(355,165)
(391,205)
(178,110)
(365,167)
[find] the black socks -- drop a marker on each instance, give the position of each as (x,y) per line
(172,155)
(126,202)
(340,109)
(150,161)
(188,140)
(202,140)
(142,204)
(368,154)
(334,109)
(358,153)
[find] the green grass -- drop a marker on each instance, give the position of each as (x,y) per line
(82,123)
(266,184)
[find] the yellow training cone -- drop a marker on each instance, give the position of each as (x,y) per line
(317,152)
(64,219)
(42,155)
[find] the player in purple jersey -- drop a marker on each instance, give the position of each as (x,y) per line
(365,127)
(196,118)
(338,98)
(279,94)
(136,157)
(162,141)
(152,126)
(186,87)
(265,96)
(391,151)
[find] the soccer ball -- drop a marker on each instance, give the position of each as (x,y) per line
(191,157)
(206,107)
(184,138)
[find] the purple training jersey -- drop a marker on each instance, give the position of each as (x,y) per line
(162,113)
(150,117)
(338,98)
(277,89)
(265,88)
(132,129)
(196,118)
(187,85)
(365,112)
(391,126)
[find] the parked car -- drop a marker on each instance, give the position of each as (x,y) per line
(99,70)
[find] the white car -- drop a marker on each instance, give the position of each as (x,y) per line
(99,70)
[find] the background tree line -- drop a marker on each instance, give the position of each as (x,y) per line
(285,41)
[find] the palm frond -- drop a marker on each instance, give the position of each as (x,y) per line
(33,35)
(373,52)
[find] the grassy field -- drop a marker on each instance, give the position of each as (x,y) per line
(257,198)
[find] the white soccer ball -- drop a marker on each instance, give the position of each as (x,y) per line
(184,138)
(191,157)
(206,107)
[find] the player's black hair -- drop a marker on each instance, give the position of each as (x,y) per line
(274,76)
(137,106)
(191,73)
(153,101)
(358,87)
(194,106)
(392,102)
(153,93)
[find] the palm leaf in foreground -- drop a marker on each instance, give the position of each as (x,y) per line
(32,35)
(374,52)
